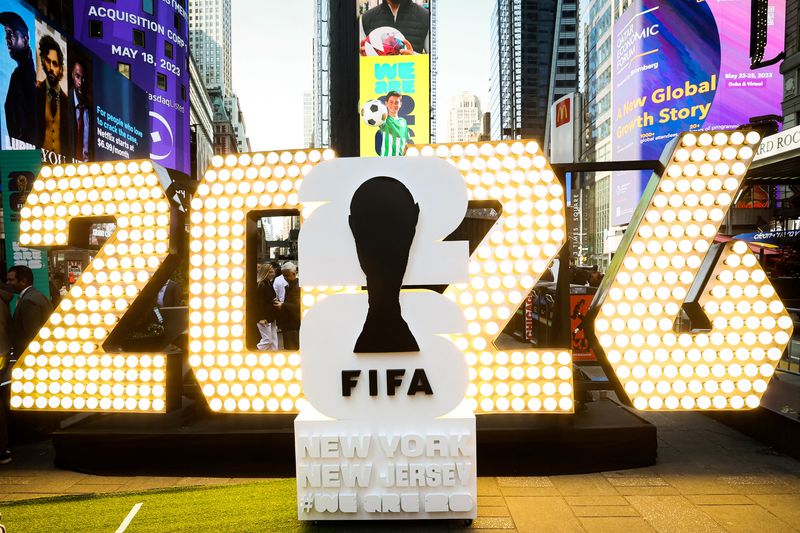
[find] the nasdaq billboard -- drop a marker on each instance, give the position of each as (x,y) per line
(684,65)
(147,41)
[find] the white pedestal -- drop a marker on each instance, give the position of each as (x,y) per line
(366,470)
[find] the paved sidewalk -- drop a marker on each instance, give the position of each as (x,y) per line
(708,478)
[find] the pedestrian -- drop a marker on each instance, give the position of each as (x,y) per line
(6,293)
(289,308)
(169,294)
(267,314)
(280,284)
(33,308)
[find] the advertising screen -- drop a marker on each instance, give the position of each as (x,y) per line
(148,43)
(18,171)
(683,65)
(60,97)
(394,70)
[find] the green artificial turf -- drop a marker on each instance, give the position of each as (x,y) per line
(263,506)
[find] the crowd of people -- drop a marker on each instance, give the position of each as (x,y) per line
(17,330)
(277,311)
(278,306)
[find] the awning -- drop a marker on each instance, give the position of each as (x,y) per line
(755,247)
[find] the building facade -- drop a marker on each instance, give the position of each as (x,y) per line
(595,85)
(234,111)
(533,62)
(210,42)
(464,117)
(210,23)
(224,132)
(201,117)
(308,119)
(790,68)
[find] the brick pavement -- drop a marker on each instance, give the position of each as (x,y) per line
(709,478)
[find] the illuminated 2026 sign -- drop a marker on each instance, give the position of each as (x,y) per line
(667,258)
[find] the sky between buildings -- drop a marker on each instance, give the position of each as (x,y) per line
(272,63)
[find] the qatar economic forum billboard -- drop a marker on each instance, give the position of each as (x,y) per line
(147,41)
(685,65)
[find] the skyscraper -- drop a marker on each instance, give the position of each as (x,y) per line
(234,110)
(465,117)
(210,42)
(308,119)
(533,63)
(595,59)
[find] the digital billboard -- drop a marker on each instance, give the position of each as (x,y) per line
(684,65)
(148,42)
(394,70)
(61,98)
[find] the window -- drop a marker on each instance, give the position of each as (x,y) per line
(124,69)
(147,6)
(161,81)
(138,38)
(177,21)
(183,92)
(96,29)
(168,49)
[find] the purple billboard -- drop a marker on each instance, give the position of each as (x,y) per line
(684,65)
(147,41)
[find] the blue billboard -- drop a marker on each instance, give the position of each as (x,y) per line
(59,97)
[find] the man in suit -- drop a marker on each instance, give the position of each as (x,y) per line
(80,113)
(33,308)
(51,99)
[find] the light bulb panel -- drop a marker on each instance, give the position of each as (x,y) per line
(233,378)
(65,367)
(660,265)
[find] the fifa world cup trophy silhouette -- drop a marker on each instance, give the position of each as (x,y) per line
(383,219)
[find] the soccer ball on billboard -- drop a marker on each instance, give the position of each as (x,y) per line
(374,113)
(384,41)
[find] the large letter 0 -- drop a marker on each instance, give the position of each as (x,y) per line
(65,367)
(660,265)
(232,378)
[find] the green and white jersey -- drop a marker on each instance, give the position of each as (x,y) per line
(395,136)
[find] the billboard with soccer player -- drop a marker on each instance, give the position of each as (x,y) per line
(394,71)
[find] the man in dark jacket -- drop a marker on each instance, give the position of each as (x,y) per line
(33,308)
(289,316)
(6,293)
(410,19)
(20,104)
